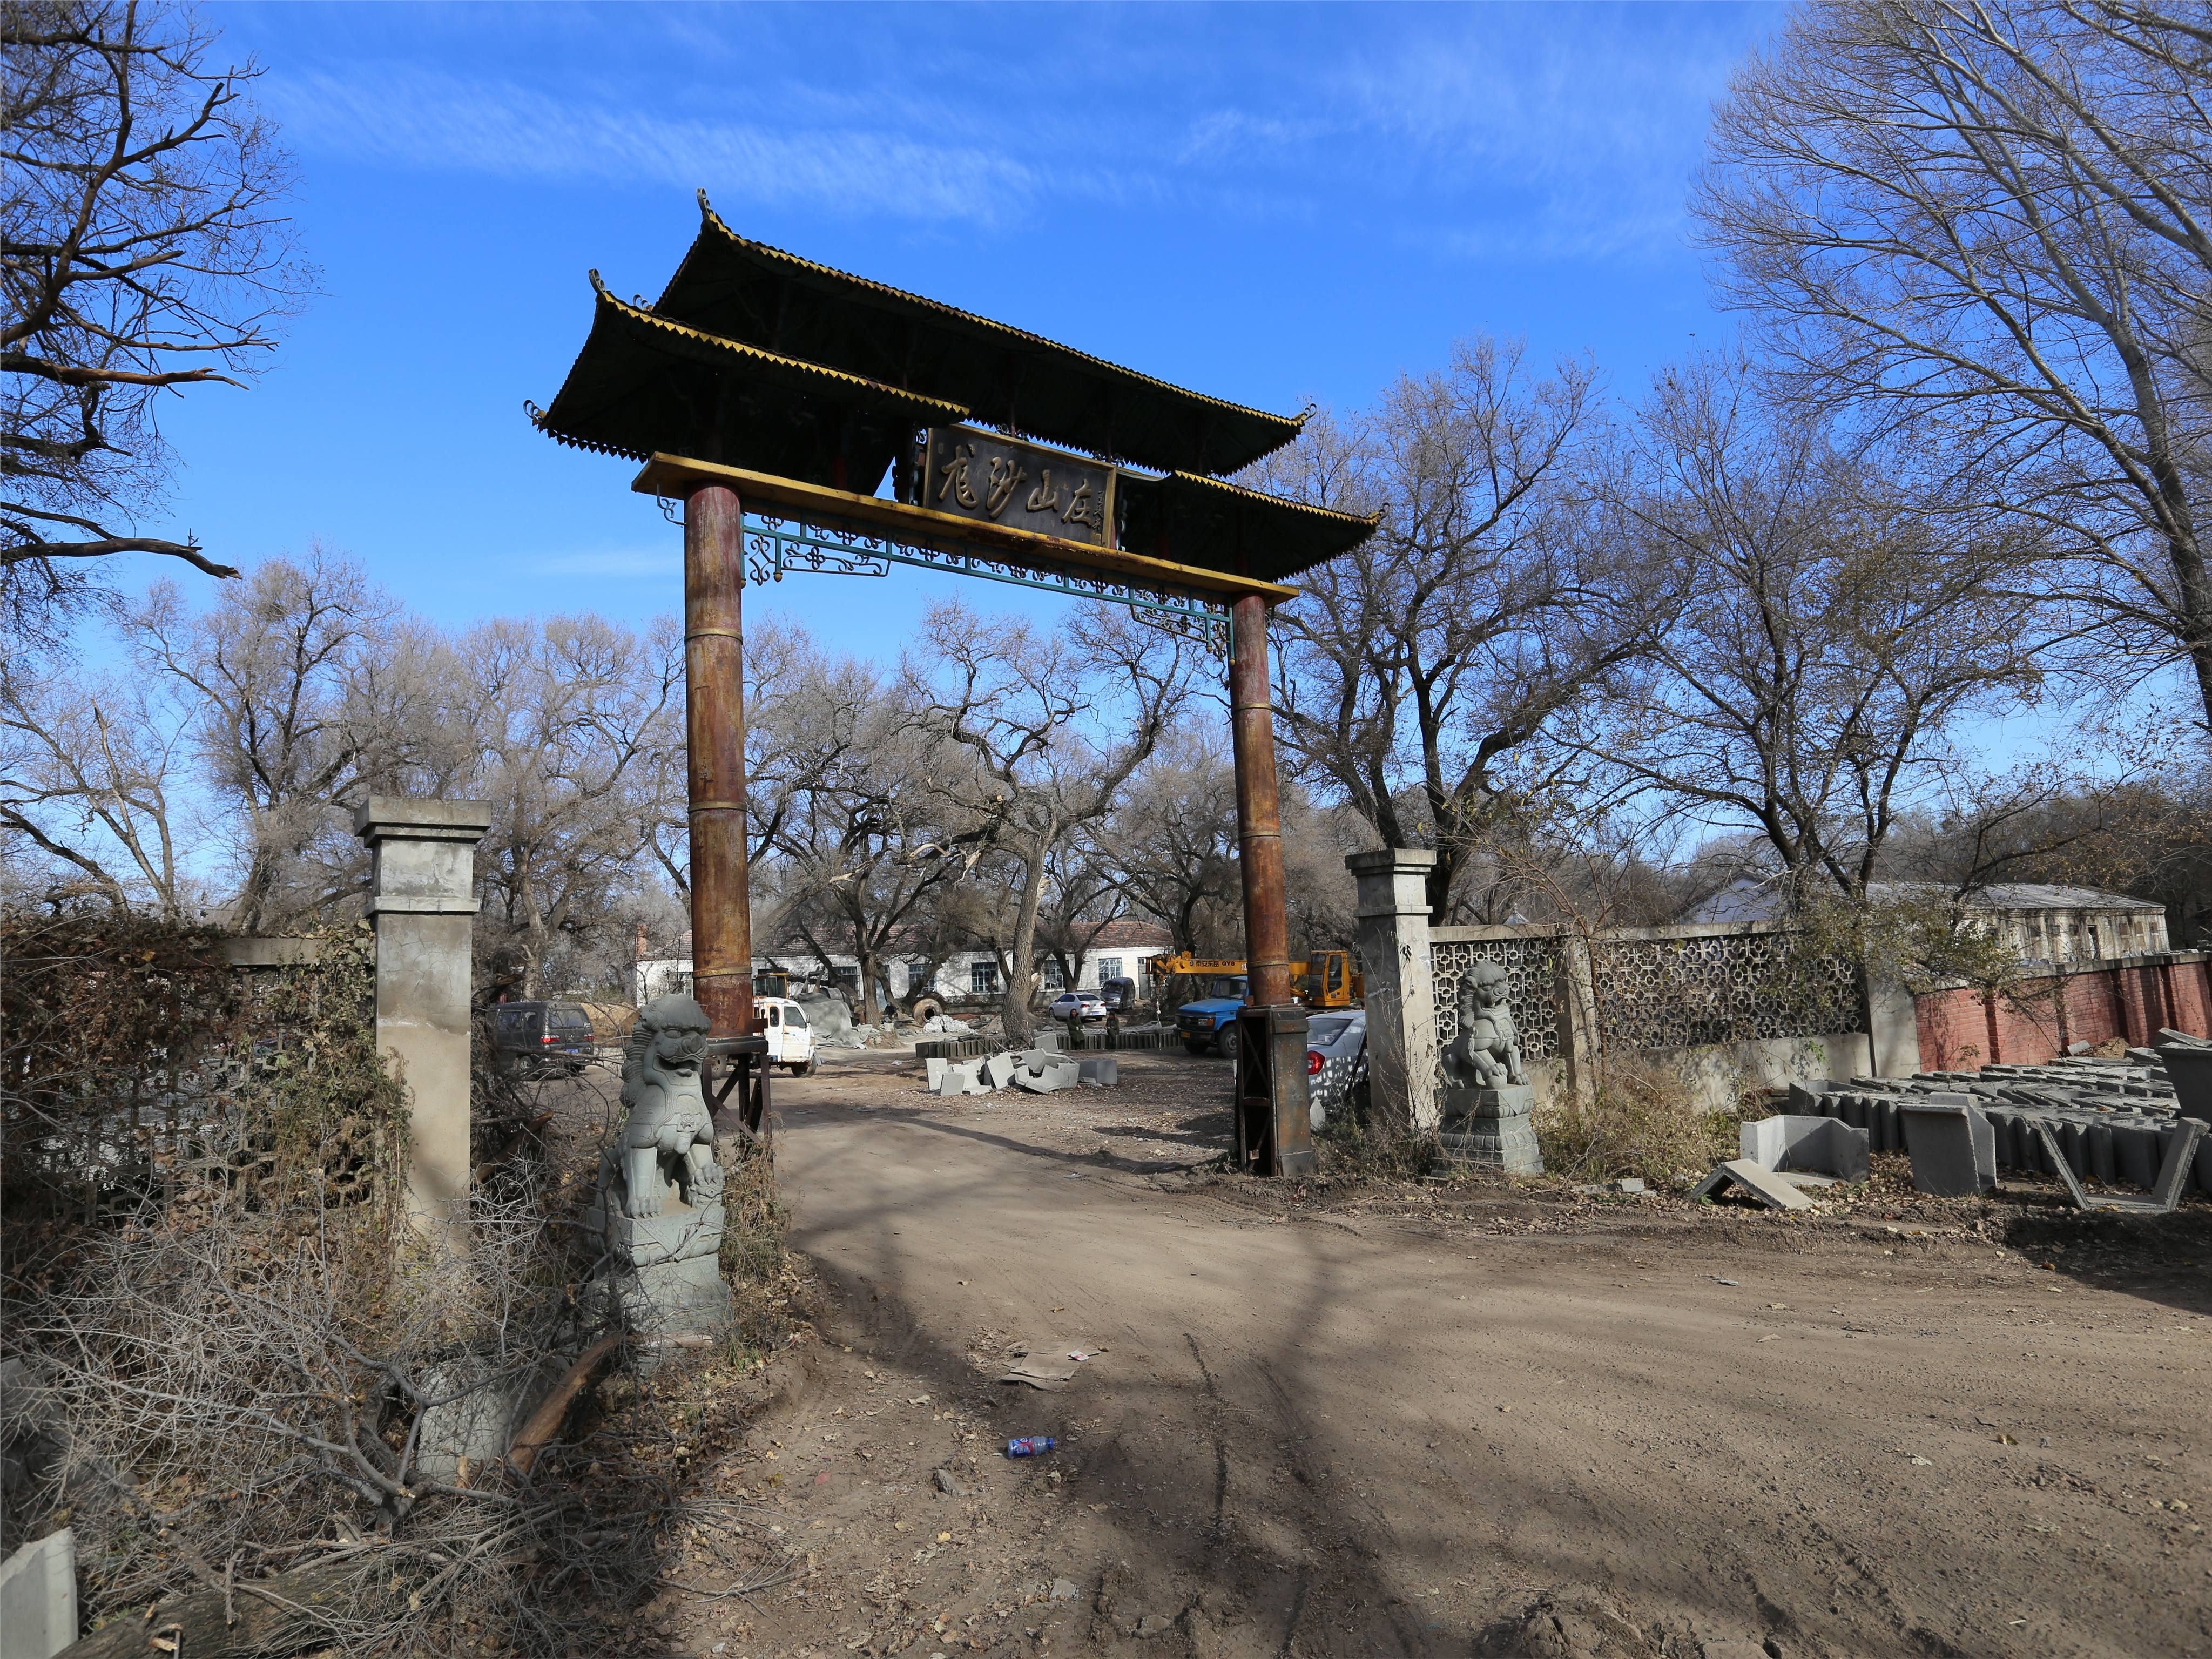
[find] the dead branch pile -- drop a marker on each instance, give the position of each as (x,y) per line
(276,1419)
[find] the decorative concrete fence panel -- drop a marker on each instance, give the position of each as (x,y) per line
(1533,959)
(1725,1007)
(1701,986)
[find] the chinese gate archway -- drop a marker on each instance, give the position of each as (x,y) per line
(774,397)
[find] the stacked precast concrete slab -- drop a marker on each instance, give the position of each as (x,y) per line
(2113,1120)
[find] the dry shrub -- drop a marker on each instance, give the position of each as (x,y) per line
(756,1265)
(1639,1122)
(242,1363)
(237,1400)
(1354,1150)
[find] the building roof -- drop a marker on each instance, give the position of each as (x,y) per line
(1131,933)
(1758,898)
(1193,520)
(809,378)
(1009,378)
(2040,896)
(643,385)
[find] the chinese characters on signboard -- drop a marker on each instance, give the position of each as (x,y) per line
(980,475)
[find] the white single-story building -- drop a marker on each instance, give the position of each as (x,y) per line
(654,976)
(1121,950)
(2042,922)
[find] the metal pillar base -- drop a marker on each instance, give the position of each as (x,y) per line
(747,1079)
(1275,1124)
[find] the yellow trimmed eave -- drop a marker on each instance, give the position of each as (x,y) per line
(1296,422)
(1241,491)
(708,345)
(675,475)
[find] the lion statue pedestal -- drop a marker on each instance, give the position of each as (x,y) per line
(659,1203)
(1487,1102)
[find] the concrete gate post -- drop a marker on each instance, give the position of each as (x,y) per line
(1893,1033)
(422,898)
(1575,993)
(1402,1012)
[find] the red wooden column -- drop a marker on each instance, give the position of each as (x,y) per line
(1274,1134)
(714,727)
(1259,809)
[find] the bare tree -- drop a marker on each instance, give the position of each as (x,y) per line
(1083,897)
(1991,221)
(142,249)
(1174,840)
(87,777)
(1831,634)
(268,668)
(569,716)
(1418,673)
(859,853)
(1051,729)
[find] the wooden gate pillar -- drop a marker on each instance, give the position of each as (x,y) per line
(714,732)
(1274,1132)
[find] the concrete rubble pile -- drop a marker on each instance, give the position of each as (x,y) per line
(2113,1120)
(1041,1070)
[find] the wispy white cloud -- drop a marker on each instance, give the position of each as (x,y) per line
(434,120)
(1495,133)
(1574,128)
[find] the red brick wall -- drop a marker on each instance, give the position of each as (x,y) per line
(1962,1028)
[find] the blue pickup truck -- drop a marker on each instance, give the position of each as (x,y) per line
(1209,1025)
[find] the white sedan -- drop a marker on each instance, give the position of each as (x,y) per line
(1084,1005)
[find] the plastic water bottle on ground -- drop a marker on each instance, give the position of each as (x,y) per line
(1030,1445)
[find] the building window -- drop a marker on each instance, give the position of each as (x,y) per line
(983,978)
(1055,977)
(1109,968)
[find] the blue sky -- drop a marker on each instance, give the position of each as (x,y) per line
(1270,204)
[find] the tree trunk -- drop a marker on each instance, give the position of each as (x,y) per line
(1022,967)
(194,1625)
(867,960)
(1442,874)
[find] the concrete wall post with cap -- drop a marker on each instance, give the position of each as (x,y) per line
(423,902)
(1402,1059)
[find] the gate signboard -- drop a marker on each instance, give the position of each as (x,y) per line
(977,474)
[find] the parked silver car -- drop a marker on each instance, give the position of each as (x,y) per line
(1336,1065)
(1084,1004)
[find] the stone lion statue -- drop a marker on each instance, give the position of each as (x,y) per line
(669,1133)
(1487,1053)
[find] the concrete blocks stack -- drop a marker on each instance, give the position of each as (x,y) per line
(2112,1121)
(1953,1146)
(949,1077)
(1050,1077)
(1044,1068)
(1755,1181)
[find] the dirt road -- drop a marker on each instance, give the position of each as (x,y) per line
(1391,1424)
